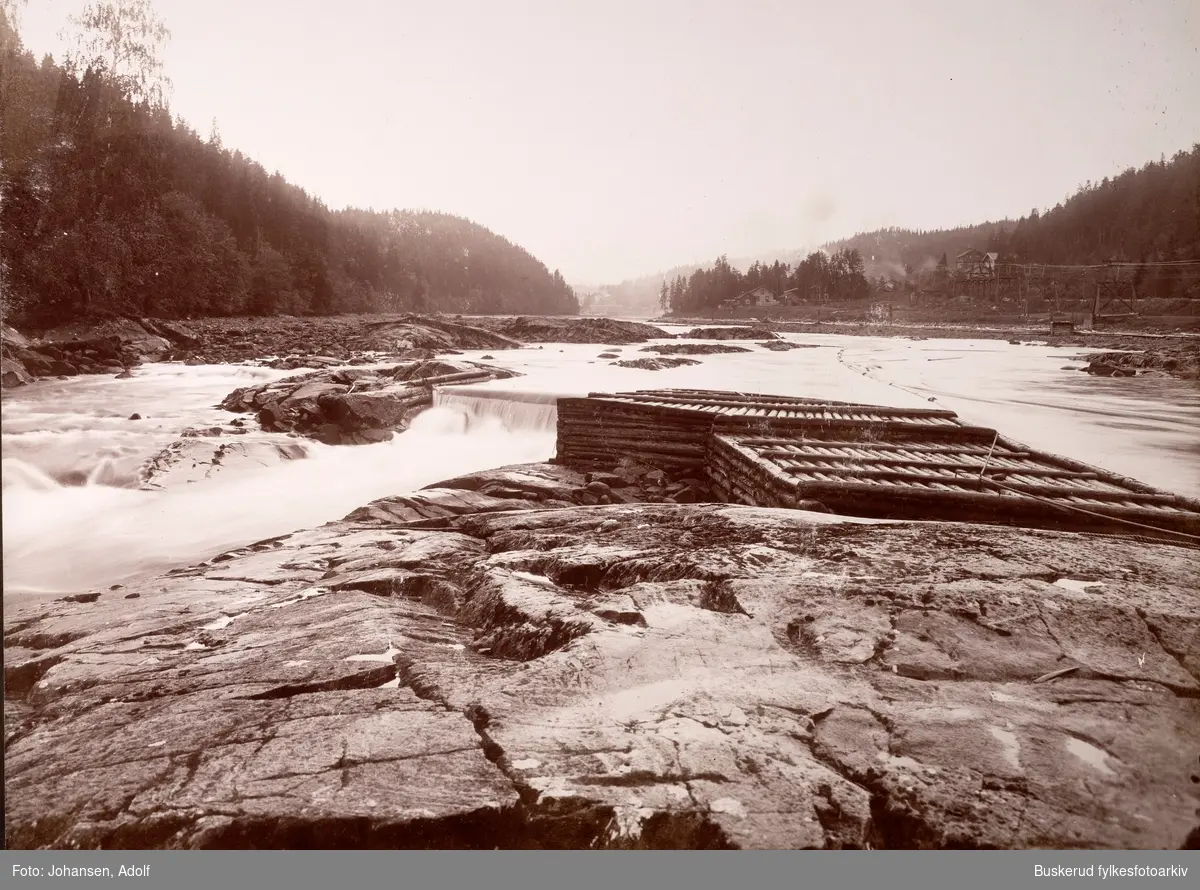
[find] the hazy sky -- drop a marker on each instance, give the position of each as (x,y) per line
(616,138)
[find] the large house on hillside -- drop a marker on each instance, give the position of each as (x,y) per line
(974,263)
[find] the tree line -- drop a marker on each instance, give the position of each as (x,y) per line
(1148,215)
(839,275)
(109,205)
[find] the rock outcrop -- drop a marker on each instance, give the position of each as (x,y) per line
(13,347)
(292,343)
(731,333)
(132,336)
(353,405)
(655,364)
(202,454)
(1105,369)
(785,345)
(1179,359)
(694,349)
(328,341)
(112,346)
(483,665)
(571,330)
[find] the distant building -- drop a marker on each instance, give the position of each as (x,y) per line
(975,264)
(792,297)
(759,297)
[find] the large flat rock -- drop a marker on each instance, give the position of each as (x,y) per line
(481,664)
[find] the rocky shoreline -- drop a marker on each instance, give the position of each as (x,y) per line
(534,658)
(117,345)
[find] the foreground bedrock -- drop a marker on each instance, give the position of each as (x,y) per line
(487,663)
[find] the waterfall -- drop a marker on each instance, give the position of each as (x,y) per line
(515,411)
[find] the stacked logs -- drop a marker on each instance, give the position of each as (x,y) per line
(737,477)
(596,435)
(931,480)
(670,429)
(860,460)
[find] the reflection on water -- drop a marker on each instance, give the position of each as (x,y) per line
(92,532)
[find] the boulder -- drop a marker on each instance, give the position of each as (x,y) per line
(10,336)
(176,333)
(13,373)
(63,369)
(382,409)
(1102,369)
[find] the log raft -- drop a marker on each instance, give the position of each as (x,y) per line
(862,460)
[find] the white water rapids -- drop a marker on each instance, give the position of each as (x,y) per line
(71,521)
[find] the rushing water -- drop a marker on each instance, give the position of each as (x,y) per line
(73,522)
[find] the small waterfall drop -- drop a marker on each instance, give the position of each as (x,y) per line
(513,410)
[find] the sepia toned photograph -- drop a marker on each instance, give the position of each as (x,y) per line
(581,426)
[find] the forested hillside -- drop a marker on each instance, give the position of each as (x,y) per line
(108,205)
(1151,215)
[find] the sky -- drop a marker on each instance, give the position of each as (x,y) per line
(613,139)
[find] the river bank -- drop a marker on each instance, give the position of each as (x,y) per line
(512,659)
(115,346)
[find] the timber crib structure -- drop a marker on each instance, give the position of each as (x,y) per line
(861,460)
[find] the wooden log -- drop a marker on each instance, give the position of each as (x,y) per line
(817,409)
(849,485)
(917,447)
(849,463)
(866,432)
(769,402)
(1105,475)
(948,502)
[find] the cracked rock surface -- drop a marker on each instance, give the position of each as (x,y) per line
(488,663)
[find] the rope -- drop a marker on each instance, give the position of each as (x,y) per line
(983,469)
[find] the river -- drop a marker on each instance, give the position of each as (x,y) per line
(73,521)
